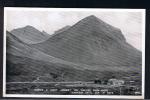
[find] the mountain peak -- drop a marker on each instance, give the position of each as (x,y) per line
(28,27)
(91,18)
(30,35)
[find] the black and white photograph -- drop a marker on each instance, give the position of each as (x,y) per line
(74,53)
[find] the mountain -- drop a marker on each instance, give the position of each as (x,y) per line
(30,35)
(89,49)
(25,63)
(93,42)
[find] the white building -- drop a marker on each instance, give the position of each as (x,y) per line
(115,82)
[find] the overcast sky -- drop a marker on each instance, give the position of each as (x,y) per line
(130,23)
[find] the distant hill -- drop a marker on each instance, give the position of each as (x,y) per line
(30,35)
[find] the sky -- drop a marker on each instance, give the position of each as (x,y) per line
(50,20)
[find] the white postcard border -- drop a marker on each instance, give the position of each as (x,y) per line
(74,9)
